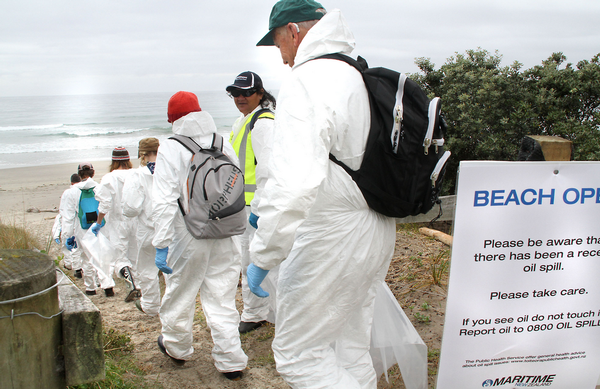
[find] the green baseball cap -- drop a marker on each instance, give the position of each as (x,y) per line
(290,11)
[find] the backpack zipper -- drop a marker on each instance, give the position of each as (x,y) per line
(398,114)
(397,127)
(437,143)
(434,107)
(438,168)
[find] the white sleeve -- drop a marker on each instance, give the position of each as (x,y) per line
(166,190)
(133,195)
(68,211)
(262,138)
(56,228)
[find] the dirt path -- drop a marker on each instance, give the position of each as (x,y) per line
(410,278)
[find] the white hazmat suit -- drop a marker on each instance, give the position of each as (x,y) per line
(211,266)
(137,205)
(67,255)
(118,229)
(256,309)
(313,213)
(71,226)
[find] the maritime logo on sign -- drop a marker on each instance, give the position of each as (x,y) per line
(521,381)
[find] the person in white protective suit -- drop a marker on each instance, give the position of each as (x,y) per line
(71,225)
(251,139)
(210,266)
(137,205)
(312,212)
(71,259)
(119,230)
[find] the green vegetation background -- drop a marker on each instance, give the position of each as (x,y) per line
(489,108)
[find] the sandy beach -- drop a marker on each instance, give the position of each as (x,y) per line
(30,196)
(38,187)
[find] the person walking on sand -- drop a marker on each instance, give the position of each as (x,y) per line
(251,139)
(209,266)
(312,213)
(71,259)
(119,230)
(137,205)
(74,228)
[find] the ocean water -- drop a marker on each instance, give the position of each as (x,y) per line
(48,130)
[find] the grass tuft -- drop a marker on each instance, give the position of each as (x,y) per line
(439,266)
(14,237)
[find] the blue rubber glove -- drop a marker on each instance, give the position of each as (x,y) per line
(95,228)
(161,260)
(255,276)
(71,244)
(253,220)
(57,241)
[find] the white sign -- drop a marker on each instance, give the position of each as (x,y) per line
(523,306)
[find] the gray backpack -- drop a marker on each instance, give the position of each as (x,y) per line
(215,187)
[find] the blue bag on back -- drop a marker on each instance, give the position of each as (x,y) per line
(88,208)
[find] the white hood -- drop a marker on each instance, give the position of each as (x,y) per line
(87,184)
(195,124)
(330,35)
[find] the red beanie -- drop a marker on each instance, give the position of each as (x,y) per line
(182,103)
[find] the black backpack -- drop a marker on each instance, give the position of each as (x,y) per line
(404,162)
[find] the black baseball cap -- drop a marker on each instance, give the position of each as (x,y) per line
(246,80)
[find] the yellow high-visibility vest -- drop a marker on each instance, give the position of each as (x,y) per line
(243,148)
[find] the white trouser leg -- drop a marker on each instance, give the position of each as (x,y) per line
(76,258)
(213,267)
(123,237)
(89,273)
(325,301)
(68,257)
(178,304)
(255,308)
(218,302)
(146,277)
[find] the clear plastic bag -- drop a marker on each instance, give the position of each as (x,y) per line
(101,253)
(395,340)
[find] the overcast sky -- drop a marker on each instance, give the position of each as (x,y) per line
(53,47)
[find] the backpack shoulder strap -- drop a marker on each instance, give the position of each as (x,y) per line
(87,190)
(257,116)
(360,63)
(217,142)
(193,148)
(187,142)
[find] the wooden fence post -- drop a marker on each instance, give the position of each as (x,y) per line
(545,148)
(30,322)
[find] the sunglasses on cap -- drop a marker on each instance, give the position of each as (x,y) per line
(241,92)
